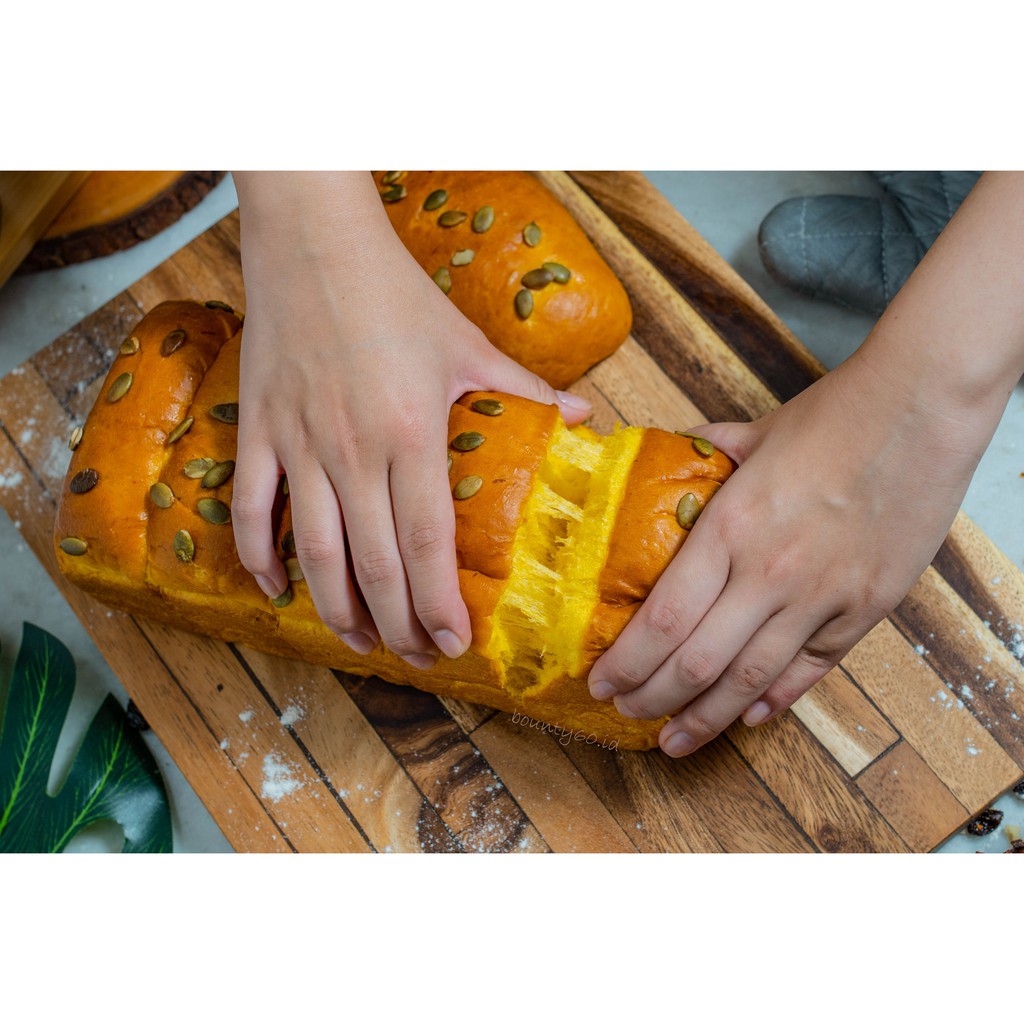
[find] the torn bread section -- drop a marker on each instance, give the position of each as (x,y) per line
(558,555)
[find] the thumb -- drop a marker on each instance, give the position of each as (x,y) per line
(508,376)
(737,440)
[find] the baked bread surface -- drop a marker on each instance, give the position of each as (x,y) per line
(571,324)
(564,532)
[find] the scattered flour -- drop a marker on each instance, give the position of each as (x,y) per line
(246,716)
(292,714)
(55,465)
(278,778)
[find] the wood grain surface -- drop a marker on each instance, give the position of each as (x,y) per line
(29,201)
(918,729)
(114,210)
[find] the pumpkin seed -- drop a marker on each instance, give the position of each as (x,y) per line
(180,430)
(443,279)
(483,219)
(467,487)
(450,462)
(463,257)
(488,406)
(288,543)
(119,388)
(219,474)
(214,511)
(84,481)
(435,200)
(73,546)
(217,304)
(467,441)
(450,218)
(393,194)
(390,177)
(524,303)
(687,510)
(172,342)
(701,445)
(559,271)
(129,346)
(196,469)
(539,278)
(226,412)
(184,547)
(282,600)
(76,438)
(284,485)
(162,495)
(531,234)
(293,569)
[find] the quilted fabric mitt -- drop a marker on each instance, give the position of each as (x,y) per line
(858,251)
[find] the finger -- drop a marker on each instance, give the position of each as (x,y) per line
(700,661)
(686,590)
(425,527)
(750,674)
(815,659)
(737,440)
(377,564)
(505,374)
(320,549)
(256,477)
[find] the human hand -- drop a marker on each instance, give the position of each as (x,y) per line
(840,500)
(351,360)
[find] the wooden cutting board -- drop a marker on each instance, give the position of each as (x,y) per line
(29,201)
(917,730)
(114,210)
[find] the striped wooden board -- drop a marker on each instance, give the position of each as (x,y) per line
(918,729)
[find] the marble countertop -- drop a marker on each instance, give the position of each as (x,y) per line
(726,207)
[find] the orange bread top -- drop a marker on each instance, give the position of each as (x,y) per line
(515,262)
(560,533)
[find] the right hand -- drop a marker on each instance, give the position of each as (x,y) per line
(351,360)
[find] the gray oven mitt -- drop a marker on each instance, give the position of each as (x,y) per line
(858,251)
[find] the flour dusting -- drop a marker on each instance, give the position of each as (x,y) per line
(278,778)
(292,714)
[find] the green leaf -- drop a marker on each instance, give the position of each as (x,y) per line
(113,777)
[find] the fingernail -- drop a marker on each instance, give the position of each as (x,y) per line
(268,586)
(451,646)
(601,689)
(359,642)
(423,662)
(567,400)
(625,712)
(756,713)
(677,744)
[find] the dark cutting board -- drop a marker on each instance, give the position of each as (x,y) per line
(888,753)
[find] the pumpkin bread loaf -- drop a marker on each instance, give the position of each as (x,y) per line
(515,263)
(560,533)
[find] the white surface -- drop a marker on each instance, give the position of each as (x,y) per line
(726,207)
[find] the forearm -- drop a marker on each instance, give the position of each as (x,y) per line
(334,218)
(954,335)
